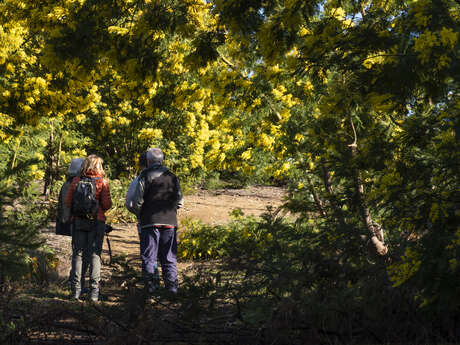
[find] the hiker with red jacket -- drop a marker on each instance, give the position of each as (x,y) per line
(155,202)
(64,221)
(89,228)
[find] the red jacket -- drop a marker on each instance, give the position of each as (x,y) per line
(102,194)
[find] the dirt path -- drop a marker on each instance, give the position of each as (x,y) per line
(211,207)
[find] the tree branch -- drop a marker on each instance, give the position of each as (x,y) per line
(227,62)
(318,201)
(328,186)
(119,324)
(355,136)
(376,231)
(394,120)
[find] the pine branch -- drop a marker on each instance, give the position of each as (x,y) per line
(119,324)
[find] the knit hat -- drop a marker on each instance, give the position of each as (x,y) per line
(75,165)
(155,156)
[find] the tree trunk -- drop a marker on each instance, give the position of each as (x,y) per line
(375,230)
(49,160)
(58,161)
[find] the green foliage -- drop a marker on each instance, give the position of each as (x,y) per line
(421,204)
(200,241)
(213,182)
(11,326)
(23,210)
(309,276)
(119,213)
(19,236)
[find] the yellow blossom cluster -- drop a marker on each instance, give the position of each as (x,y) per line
(428,40)
(150,134)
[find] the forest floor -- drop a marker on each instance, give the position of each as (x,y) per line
(50,316)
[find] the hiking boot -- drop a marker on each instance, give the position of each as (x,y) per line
(94,295)
(172,290)
(76,294)
(152,291)
(151,284)
(172,287)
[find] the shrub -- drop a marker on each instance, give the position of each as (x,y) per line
(23,214)
(201,241)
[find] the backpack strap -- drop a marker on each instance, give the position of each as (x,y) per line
(93,180)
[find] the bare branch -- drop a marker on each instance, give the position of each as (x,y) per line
(355,141)
(318,201)
(227,62)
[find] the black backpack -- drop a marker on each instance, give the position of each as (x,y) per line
(84,203)
(63,223)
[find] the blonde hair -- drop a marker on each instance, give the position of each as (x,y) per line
(93,163)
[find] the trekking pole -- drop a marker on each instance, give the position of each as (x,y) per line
(108,229)
(110,250)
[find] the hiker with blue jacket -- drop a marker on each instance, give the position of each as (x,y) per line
(156,199)
(129,205)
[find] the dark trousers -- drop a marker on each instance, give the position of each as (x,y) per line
(84,264)
(87,240)
(162,243)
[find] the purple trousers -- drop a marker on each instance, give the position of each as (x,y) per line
(162,243)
